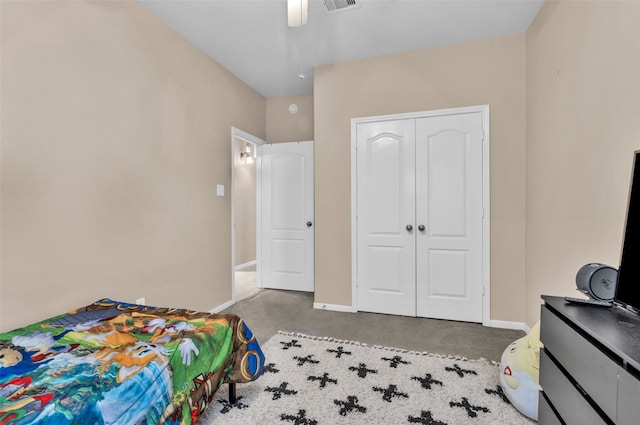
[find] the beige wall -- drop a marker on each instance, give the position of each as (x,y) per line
(244,191)
(486,72)
(583,109)
(283,126)
(115,132)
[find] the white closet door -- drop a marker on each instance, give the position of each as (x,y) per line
(287,216)
(449,206)
(385,207)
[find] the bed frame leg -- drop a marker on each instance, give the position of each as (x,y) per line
(232,392)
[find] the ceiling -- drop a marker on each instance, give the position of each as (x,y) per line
(251,38)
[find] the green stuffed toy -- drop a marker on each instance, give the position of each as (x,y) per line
(519,371)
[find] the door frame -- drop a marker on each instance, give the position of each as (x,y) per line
(486,204)
(236,133)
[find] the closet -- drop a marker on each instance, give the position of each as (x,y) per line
(419,214)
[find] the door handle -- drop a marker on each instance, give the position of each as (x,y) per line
(409,227)
(309,224)
(421,227)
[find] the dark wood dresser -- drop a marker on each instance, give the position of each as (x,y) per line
(590,364)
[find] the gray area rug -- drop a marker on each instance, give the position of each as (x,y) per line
(313,380)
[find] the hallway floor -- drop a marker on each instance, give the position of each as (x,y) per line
(246,284)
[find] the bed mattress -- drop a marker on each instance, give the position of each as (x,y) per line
(117,363)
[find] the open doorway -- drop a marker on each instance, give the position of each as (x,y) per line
(244,207)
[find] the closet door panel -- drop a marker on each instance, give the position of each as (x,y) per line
(386,206)
(445,171)
(449,206)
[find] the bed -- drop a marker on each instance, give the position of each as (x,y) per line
(117,363)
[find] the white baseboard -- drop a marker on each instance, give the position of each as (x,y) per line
(502,324)
(334,307)
(245,265)
(222,307)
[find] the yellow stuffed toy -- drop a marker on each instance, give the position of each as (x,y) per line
(519,371)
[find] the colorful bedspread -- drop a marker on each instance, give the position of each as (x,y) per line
(119,363)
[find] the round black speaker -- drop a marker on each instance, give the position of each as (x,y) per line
(597,280)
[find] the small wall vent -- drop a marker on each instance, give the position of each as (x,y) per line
(335,6)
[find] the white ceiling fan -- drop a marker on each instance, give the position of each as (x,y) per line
(297,12)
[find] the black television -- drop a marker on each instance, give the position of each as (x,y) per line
(628,286)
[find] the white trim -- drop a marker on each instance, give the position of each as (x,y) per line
(354,215)
(245,265)
(335,307)
(486,196)
(421,114)
(247,137)
(520,326)
(222,307)
(486,219)
(259,218)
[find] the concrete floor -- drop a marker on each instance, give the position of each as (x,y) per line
(270,311)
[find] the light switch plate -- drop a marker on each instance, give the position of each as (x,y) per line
(220,190)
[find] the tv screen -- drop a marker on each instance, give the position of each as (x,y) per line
(628,286)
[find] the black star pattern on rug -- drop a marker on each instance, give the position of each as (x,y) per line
(300,419)
(395,361)
(461,372)
(349,405)
(471,409)
(499,392)
(227,406)
(280,391)
(324,379)
(427,381)
(305,359)
(390,392)
(292,343)
(339,352)
(425,418)
(271,368)
(362,370)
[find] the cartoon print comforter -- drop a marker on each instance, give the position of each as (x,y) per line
(118,363)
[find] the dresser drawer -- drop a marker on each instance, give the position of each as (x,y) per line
(568,401)
(596,373)
(546,416)
(628,399)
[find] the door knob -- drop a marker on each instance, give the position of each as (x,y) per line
(309,224)
(409,227)
(421,227)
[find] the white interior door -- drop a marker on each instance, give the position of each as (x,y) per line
(419,215)
(287,216)
(385,207)
(449,206)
